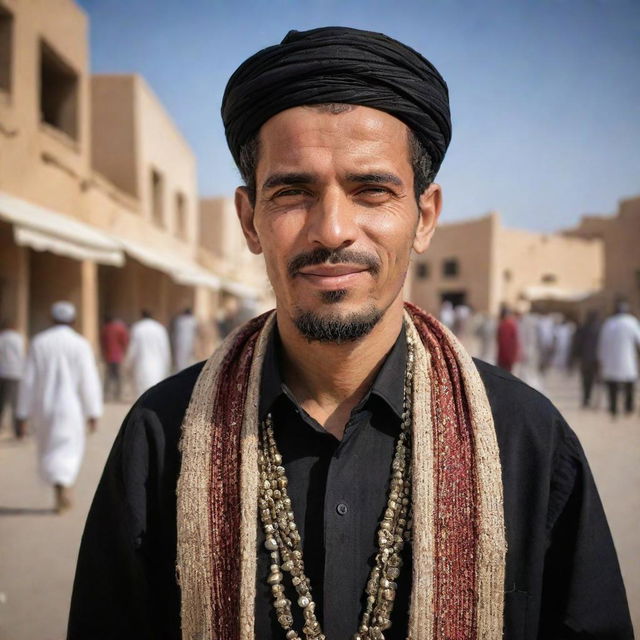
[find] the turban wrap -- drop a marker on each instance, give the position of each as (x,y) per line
(339,65)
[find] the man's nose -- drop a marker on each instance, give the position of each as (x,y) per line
(332,222)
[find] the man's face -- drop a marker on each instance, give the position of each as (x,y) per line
(335,213)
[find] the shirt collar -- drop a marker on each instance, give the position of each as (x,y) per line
(388,385)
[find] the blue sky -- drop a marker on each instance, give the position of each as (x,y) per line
(545,94)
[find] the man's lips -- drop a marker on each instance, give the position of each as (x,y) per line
(332,276)
(332,270)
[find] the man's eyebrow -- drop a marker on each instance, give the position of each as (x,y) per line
(376,178)
(285,179)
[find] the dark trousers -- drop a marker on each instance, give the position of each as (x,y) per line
(9,396)
(627,389)
(112,381)
(588,377)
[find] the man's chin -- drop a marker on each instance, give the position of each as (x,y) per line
(338,327)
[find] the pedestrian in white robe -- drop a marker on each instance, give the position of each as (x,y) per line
(185,328)
(149,353)
(59,394)
(12,353)
(618,346)
(528,366)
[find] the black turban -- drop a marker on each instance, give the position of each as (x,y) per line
(339,64)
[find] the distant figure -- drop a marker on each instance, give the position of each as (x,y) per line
(585,354)
(60,393)
(618,356)
(529,357)
(447,314)
(11,369)
(563,337)
(485,332)
(546,341)
(114,339)
(508,341)
(185,329)
(149,354)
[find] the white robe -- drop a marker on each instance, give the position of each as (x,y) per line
(617,348)
(149,354)
(184,340)
(60,389)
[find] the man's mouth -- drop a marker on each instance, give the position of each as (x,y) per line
(332,276)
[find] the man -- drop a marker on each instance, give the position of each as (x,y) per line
(185,329)
(59,394)
(114,339)
(11,367)
(508,340)
(585,354)
(149,353)
(618,346)
(344,469)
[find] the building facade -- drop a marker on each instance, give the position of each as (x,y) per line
(98,190)
(620,236)
(484,265)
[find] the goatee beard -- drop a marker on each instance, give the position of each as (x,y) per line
(337,328)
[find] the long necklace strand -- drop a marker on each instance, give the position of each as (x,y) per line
(283,542)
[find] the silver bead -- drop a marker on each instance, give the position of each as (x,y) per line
(270,544)
(303,601)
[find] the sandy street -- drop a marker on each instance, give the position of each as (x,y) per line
(38,548)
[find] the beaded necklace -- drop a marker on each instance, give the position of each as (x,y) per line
(283,542)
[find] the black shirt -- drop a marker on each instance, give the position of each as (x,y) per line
(562,577)
(338,489)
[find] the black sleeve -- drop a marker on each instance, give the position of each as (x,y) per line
(583,595)
(125,585)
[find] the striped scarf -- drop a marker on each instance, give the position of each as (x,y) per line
(458,535)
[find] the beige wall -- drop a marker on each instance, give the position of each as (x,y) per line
(622,248)
(497,265)
(113,131)
(471,244)
(620,235)
(225,247)
(527,259)
(38,162)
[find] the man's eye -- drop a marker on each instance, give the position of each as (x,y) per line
(290,193)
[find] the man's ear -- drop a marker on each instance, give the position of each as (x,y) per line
(429,207)
(245,210)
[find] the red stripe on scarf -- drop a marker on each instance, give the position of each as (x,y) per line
(455,599)
(225,481)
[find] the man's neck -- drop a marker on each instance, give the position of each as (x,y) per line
(329,379)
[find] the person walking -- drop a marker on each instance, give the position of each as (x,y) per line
(114,339)
(508,341)
(149,353)
(60,393)
(185,329)
(618,356)
(11,368)
(585,354)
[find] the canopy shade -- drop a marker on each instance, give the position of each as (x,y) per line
(46,230)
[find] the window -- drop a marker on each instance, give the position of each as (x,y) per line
(181,216)
(58,92)
(549,278)
(6,45)
(422,270)
(157,198)
(450,267)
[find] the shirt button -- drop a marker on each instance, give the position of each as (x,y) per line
(342,508)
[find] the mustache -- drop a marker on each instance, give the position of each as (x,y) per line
(333,256)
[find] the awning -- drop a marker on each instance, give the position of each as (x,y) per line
(240,290)
(556,293)
(45,230)
(181,270)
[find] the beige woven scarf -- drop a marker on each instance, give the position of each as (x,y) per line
(458,530)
